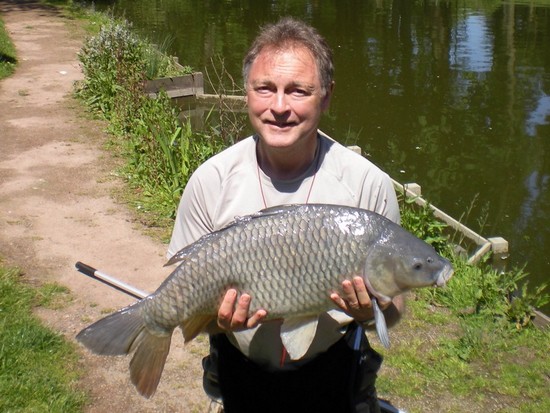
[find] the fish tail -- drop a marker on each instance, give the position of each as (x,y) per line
(148,362)
(122,332)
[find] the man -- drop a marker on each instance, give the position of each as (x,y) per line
(288,75)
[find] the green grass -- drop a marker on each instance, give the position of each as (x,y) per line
(38,368)
(465,362)
(8,58)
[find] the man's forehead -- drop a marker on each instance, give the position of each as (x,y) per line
(300,51)
(271,62)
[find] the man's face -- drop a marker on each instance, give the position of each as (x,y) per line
(284,95)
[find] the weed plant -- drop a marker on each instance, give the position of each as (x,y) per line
(159,63)
(421,222)
(113,62)
(116,60)
(475,289)
(163,153)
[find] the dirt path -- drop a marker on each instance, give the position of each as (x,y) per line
(56,209)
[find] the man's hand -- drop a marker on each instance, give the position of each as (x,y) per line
(356,301)
(233,312)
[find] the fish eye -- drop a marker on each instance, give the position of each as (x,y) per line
(417,266)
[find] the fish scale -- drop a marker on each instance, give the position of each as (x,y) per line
(289,259)
(300,283)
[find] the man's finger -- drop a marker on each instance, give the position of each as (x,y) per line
(240,314)
(339,301)
(256,318)
(225,312)
(361,292)
(347,288)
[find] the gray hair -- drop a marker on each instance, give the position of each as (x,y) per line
(289,32)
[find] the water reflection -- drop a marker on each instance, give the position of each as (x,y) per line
(535,184)
(533,223)
(540,115)
(471,47)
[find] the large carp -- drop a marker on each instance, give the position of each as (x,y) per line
(289,259)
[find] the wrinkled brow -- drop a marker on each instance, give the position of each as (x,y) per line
(292,85)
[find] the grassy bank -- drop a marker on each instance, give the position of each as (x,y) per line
(159,151)
(8,58)
(470,346)
(38,368)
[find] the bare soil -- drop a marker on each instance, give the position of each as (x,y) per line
(56,209)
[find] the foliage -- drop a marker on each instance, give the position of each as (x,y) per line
(470,334)
(485,293)
(8,57)
(116,61)
(161,151)
(36,364)
(159,63)
(474,289)
(471,366)
(420,221)
(113,62)
(476,333)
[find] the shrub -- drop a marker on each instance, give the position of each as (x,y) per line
(160,151)
(113,62)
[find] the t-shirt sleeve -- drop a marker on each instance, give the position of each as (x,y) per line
(193,218)
(379,195)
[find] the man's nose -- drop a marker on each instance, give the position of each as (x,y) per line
(279,103)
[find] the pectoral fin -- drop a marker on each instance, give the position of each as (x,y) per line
(297,335)
(193,326)
(380,322)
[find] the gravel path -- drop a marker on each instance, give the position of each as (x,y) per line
(56,209)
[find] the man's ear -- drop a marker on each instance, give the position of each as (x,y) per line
(328,95)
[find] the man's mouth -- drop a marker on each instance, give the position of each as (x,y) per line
(280,125)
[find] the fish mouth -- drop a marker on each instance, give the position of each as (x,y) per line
(444,275)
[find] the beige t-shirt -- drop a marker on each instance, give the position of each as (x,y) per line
(230,184)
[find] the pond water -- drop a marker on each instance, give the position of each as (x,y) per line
(452,95)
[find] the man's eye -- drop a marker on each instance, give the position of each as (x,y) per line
(262,89)
(299,92)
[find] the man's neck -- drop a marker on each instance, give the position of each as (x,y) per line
(286,163)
